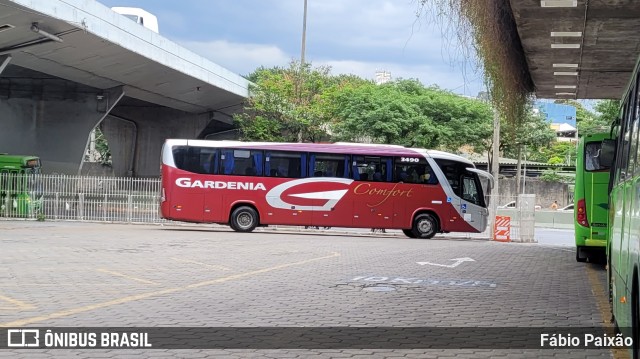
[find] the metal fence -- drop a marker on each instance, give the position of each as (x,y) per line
(136,200)
(82,198)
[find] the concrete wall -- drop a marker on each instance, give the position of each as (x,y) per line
(146,126)
(546,192)
(55,130)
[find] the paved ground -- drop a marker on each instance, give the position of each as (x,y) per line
(99,275)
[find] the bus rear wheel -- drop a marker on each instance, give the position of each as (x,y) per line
(581,256)
(424,226)
(409,233)
(244,219)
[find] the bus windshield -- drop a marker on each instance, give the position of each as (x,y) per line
(464,183)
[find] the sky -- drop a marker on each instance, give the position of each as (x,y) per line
(352,36)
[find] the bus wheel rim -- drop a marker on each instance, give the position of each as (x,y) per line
(425,226)
(245,220)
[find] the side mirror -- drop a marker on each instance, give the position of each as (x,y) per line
(607,153)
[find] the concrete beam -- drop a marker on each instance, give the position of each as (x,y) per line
(4,61)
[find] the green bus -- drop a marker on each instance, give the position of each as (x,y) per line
(20,194)
(591,198)
(624,218)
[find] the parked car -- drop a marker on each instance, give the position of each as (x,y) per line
(568,208)
(512,205)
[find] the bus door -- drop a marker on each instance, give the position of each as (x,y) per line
(335,168)
(596,185)
(286,179)
(373,204)
(472,206)
(188,203)
(467,203)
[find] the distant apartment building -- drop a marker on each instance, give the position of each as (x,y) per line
(562,118)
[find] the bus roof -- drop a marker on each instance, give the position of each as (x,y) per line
(14,160)
(597,136)
(340,147)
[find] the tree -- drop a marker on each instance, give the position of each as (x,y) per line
(379,114)
(286,104)
(531,132)
(556,153)
(606,112)
(405,112)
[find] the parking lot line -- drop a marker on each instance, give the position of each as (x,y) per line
(601,296)
(17,304)
(213,266)
(132,298)
(118,274)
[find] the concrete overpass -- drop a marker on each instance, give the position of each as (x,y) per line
(67,66)
(583,49)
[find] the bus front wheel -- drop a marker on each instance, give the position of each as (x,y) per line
(424,226)
(244,219)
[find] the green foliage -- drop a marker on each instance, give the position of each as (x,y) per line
(532,131)
(555,153)
(405,112)
(486,30)
(102,146)
(554,176)
(286,104)
(607,110)
(302,103)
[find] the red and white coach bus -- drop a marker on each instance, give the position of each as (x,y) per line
(249,184)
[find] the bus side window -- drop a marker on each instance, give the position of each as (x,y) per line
(241,162)
(329,165)
(202,160)
(414,170)
(370,168)
(283,164)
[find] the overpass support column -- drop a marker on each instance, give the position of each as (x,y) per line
(52,123)
(136,131)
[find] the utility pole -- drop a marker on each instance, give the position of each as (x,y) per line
(304,33)
(495,170)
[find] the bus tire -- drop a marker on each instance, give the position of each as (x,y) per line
(409,233)
(244,219)
(424,226)
(580,254)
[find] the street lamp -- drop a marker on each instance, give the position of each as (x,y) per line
(304,33)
